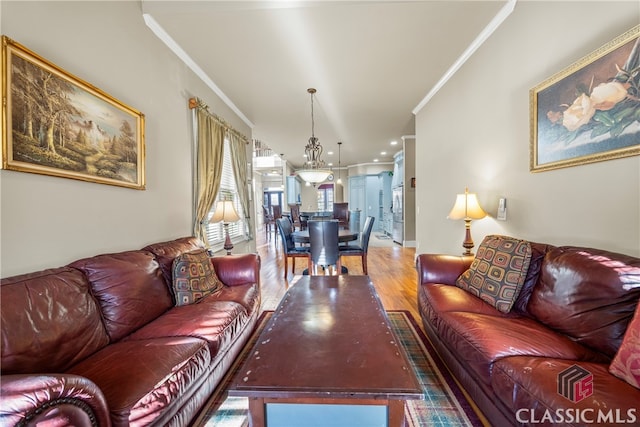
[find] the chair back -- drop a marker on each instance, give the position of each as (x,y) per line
(295,212)
(366,233)
(323,242)
(284,227)
(265,212)
(341,213)
(277,211)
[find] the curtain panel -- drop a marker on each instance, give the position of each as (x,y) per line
(238,146)
(209,145)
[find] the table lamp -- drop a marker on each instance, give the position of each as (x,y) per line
(467,207)
(225,213)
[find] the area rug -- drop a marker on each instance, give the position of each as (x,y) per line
(444,403)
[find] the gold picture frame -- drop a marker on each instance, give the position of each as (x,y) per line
(56,124)
(590,111)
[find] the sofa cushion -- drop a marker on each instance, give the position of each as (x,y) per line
(480,340)
(528,386)
(217,322)
(129,288)
(144,381)
(626,363)
(166,252)
(498,270)
(193,277)
(587,294)
(49,321)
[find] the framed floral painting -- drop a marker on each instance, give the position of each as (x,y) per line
(57,124)
(590,111)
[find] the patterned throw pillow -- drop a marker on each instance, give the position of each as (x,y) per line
(194,277)
(498,270)
(626,363)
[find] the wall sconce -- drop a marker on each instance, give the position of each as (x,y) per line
(467,207)
(225,213)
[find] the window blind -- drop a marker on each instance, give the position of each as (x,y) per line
(228,191)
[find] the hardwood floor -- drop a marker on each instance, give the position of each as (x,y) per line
(391,268)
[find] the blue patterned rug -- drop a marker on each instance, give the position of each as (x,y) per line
(444,402)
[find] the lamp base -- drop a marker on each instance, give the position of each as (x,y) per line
(468,241)
(227,240)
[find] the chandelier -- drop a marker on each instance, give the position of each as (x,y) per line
(313,171)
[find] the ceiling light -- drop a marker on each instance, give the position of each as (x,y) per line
(313,171)
(394,142)
(383,153)
(375,160)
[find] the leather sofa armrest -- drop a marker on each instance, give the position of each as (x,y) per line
(438,268)
(67,399)
(237,269)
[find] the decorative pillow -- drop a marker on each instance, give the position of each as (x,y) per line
(626,363)
(498,270)
(194,277)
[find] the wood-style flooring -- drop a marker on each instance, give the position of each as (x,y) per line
(390,267)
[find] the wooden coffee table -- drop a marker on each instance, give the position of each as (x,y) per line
(327,356)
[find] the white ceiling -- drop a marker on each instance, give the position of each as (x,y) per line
(372,63)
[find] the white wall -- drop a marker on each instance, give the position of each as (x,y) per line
(48,221)
(475,133)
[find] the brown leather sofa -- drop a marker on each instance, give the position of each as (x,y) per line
(573,309)
(100,342)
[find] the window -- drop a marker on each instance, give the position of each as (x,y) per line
(325,198)
(228,191)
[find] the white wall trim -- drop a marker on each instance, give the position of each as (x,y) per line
(157,29)
(410,244)
(493,25)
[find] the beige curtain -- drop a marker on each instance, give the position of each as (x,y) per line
(238,146)
(209,146)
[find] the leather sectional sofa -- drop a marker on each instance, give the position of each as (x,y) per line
(102,342)
(546,360)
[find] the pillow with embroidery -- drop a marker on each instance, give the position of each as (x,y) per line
(498,271)
(626,363)
(193,277)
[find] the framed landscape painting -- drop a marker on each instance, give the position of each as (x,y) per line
(590,111)
(57,124)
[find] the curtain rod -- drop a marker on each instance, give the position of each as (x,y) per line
(197,103)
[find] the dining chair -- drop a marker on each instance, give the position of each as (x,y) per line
(341,213)
(294,209)
(276,213)
(289,248)
(362,247)
(268,222)
(323,247)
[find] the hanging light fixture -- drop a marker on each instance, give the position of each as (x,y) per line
(313,171)
(339,172)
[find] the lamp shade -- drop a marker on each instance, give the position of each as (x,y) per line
(466,207)
(314,176)
(224,212)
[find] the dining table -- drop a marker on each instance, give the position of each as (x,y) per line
(344,236)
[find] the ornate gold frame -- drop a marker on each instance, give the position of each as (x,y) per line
(567,123)
(57,124)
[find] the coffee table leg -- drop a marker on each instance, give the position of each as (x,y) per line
(256,412)
(396,413)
